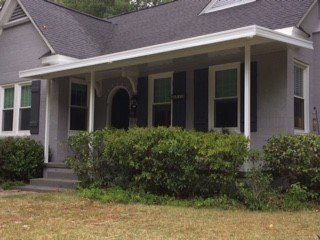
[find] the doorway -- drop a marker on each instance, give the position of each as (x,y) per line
(120,111)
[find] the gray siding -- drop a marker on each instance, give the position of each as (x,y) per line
(21,47)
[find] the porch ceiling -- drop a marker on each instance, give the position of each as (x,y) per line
(236,38)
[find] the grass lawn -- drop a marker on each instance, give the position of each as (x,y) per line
(67,216)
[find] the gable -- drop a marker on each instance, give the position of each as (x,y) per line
(217,5)
(17,13)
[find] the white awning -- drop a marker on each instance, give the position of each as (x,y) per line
(120,59)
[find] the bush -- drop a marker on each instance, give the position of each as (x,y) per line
(20,159)
(164,161)
(294,159)
(296,197)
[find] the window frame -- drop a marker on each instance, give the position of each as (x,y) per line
(212,92)
(20,103)
(16,110)
(151,79)
(305,82)
(82,82)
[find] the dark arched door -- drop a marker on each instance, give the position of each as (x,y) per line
(120,110)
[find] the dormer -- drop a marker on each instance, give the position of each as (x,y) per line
(217,5)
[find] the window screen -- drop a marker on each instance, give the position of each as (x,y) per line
(78,108)
(299,101)
(25,108)
(8,109)
(162,90)
(226,99)
(162,102)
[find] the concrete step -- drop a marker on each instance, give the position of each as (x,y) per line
(42,189)
(60,173)
(54,183)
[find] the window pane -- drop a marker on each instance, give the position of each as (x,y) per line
(25,119)
(298,81)
(162,90)
(26,96)
(299,113)
(78,95)
(8,98)
(226,83)
(162,115)
(78,119)
(7,120)
(226,113)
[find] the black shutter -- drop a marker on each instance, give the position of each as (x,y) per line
(201,99)
(35,107)
(254,97)
(179,99)
(142,109)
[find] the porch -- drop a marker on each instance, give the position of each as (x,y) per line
(240,83)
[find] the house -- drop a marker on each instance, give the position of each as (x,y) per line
(250,66)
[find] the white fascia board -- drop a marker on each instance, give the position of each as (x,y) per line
(57,59)
(220,37)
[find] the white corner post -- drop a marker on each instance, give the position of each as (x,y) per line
(47,122)
(247,91)
(91,101)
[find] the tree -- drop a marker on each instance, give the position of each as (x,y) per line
(108,8)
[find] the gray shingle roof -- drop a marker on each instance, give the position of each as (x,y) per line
(69,32)
(78,35)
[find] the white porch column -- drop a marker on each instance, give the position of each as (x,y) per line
(47,122)
(91,101)
(247,91)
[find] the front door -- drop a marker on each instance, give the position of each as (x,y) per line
(120,110)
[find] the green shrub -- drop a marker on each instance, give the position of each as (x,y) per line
(164,161)
(296,197)
(294,159)
(20,158)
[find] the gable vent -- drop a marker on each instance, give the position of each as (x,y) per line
(17,14)
(216,5)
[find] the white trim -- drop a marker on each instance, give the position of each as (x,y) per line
(113,60)
(306,97)
(57,59)
(16,111)
(307,13)
(247,91)
(47,122)
(151,79)
(91,101)
(211,94)
(16,22)
(211,8)
(83,82)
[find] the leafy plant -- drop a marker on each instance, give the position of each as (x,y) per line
(164,161)
(294,159)
(20,159)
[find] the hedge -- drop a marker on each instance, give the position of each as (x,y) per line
(163,161)
(294,159)
(20,159)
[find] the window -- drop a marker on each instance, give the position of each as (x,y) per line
(224,93)
(78,107)
(216,5)
(25,107)
(161,90)
(8,109)
(301,121)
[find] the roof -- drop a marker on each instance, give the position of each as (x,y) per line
(69,32)
(79,35)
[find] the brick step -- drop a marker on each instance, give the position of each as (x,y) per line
(66,174)
(54,183)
